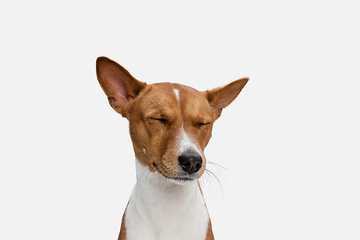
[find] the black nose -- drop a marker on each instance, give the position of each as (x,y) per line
(190,162)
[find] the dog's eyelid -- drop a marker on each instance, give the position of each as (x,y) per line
(158,118)
(162,120)
(203,123)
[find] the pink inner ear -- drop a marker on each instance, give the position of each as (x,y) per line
(116,90)
(119,102)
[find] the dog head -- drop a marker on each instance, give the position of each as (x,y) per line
(170,124)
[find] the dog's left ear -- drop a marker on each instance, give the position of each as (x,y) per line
(221,97)
(117,83)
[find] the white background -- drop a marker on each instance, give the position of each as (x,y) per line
(289,143)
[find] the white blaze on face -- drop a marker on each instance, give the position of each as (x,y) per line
(185,141)
(176,91)
(186,144)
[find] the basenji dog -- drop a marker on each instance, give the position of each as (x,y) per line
(170,126)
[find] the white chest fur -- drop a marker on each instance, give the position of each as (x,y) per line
(160,209)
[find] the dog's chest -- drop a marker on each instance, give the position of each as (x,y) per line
(171,213)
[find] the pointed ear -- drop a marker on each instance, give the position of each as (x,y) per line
(117,83)
(221,97)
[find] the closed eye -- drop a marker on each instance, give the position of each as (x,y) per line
(163,120)
(160,120)
(202,124)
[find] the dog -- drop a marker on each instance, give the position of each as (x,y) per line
(170,125)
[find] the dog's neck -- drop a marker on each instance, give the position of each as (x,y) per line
(157,205)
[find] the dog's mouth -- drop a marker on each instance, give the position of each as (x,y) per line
(182,179)
(177,179)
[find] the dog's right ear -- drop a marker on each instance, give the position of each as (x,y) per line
(118,84)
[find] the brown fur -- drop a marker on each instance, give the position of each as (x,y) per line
(122,234)
(209,234)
